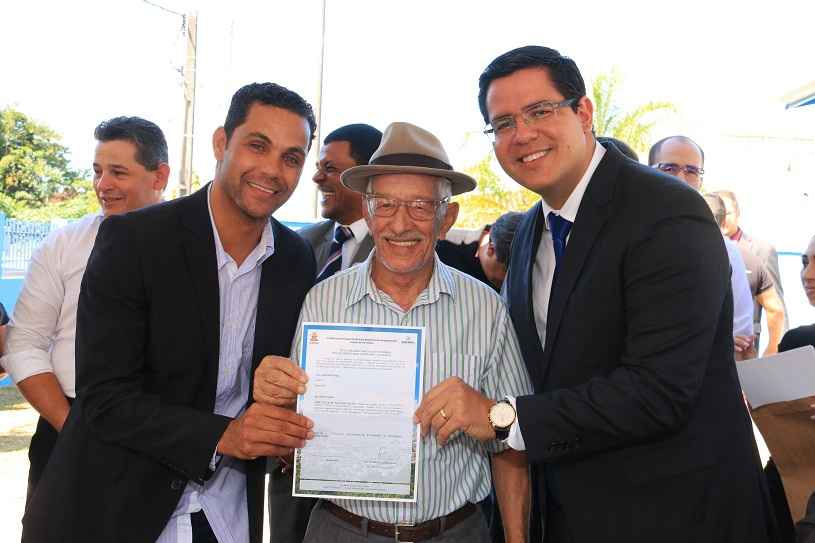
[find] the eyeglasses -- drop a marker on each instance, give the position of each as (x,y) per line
(419,210)
(674,169)
(504,127)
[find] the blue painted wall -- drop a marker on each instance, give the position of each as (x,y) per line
(9,290)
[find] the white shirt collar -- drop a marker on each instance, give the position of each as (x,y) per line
(569,209)
(263,250)
(359,228)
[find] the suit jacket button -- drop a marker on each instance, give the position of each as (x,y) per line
(177,484)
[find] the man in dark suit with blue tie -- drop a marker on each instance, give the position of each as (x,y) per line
(342,240)
(619,290)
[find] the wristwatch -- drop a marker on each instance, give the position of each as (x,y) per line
(502,416)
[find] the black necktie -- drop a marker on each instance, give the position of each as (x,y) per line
(332,266)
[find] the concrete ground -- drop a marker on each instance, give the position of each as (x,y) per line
(17,423)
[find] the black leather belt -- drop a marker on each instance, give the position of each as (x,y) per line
(404,532)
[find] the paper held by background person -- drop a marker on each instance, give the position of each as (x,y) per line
(365,383)
(778,378)
(780,390)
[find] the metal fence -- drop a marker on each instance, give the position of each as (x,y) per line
(18,239)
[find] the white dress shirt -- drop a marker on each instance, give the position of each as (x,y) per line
(544,269)
(359,229)
(42,330)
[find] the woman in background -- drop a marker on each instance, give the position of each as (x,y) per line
(798,337)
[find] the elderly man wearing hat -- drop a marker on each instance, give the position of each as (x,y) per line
(472,359)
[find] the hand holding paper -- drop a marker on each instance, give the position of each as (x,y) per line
(278,381)
(780,390)
(264,430)
(453,405)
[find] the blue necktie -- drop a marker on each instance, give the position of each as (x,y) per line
(332,266)
(560,228)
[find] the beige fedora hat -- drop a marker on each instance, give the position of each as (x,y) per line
(406,148)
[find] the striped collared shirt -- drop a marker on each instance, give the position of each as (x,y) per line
(470,336)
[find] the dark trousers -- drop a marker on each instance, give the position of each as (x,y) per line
(201,530)
(288,516)
(42,444)
(778,499)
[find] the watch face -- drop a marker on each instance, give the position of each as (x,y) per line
(502,415)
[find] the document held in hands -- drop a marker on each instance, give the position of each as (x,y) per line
(365,383)
(780,389)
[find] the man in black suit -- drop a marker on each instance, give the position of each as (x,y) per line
(618,287)
(343,239)
(179,303)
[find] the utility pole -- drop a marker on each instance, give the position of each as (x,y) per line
(190,28)
(316,195)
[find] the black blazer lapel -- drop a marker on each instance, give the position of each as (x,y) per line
(591,217)
(272,277)
(322,250)
(519,290)
(284,280)
(198,245)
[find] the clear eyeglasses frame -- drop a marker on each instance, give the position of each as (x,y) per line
(418,210)
(674,169)
(502,128)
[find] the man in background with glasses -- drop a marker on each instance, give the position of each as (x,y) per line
(618,289)
(684,159)
(680,157)
(472,358)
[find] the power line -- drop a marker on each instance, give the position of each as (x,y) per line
(168,10)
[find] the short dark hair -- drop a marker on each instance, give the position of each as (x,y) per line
(655,148)
(363,139)
(268,94)
(502,232)
(562,71)
(151,146)
(716,207)
(621,146)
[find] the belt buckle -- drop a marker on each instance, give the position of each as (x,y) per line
(396,532)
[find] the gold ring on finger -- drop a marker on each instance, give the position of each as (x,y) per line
(443,414)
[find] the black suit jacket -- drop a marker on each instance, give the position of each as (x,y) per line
(798,337)
(463,257)
(637,430)
(321,235)
(147,367)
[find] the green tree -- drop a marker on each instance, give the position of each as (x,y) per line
(34,164)
(75,204)
(631,126)
(491,198)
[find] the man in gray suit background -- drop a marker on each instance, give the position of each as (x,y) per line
(342,240)
(339,242)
